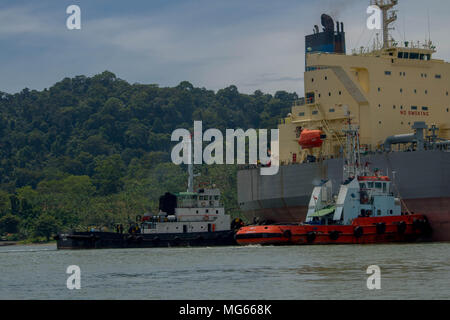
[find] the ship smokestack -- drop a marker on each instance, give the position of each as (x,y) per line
(337,26)
(342,27)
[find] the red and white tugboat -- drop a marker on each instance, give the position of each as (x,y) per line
(364,211)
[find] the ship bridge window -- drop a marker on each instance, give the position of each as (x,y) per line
(378,185)
(384,187)
(414,55)
(362,185)
(301,114)
(413,108)
(331,110)
(388,73)
(216,197)
(438,76)
(425,108)
(370,184)
(315,112)
(400,55)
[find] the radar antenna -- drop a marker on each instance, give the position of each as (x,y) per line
(389,16)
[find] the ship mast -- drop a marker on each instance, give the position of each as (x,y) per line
(352,160)
(388,17)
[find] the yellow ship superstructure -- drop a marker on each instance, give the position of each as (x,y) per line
(385,90)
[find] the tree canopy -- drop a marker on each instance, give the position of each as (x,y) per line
(92,150)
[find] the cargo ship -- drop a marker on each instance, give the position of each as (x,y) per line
(365,211)
(397,93)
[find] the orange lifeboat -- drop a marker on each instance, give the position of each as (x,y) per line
(311,139)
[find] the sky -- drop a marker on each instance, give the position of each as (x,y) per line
(253,44)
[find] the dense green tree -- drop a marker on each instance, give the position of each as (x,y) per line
(9,224)
(46,226)
(93,150)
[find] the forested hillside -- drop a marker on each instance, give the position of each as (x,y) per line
(94,151)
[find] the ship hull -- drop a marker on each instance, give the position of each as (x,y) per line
(421,179)
(410,228)
(110,240)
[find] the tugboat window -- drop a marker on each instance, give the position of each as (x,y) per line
(378,185)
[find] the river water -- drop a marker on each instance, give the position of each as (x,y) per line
(408,271)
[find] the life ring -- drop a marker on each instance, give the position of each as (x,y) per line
(310,236)
(358,231)
(206,218)
(334,235)
(401,227)
(381,227)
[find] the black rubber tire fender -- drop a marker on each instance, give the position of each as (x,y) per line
(401,227)
(287,234)
(381,227)
(311,236)
(358,231)
(334,235)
